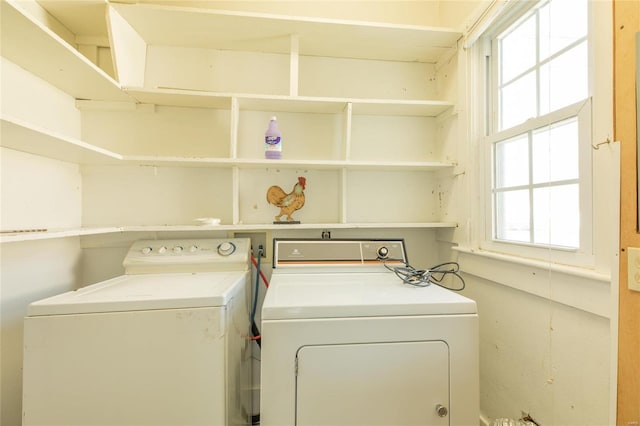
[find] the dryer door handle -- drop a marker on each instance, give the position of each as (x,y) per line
(441,410)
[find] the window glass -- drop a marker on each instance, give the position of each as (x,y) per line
(512,162)
(561,24)
(518,101)
(556,216)
(555,152)
(518,49)
(512,208)
(560,84)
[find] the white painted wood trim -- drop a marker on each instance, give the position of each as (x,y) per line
(235,122)
(128,50)
(580,288)
(48,56)
(294,65)
(226,30)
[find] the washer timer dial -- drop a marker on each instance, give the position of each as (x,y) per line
(226,248)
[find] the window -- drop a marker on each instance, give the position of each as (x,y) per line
(539,128)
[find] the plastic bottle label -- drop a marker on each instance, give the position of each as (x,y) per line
(272,143)
(272,140)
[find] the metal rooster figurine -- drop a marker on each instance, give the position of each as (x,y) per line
(288,203)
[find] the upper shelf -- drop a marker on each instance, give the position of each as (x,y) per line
(299,104)
(22,136)
(34,47)
(228,30)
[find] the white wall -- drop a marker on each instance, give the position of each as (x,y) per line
(35,192)
(30,271)
(540,357)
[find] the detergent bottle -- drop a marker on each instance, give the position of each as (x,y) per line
(273,141)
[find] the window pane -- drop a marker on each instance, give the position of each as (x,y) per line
(512,162)
(512,216)
(558,32)
(555,152)
(518,101)
(518,50)
(563,81)
(556,216)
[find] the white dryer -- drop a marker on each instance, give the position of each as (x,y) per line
(346,342)
(164,344)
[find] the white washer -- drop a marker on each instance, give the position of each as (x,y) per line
(164,344)
(346,342)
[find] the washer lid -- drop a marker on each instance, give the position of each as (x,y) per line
(300,296)
(145,292)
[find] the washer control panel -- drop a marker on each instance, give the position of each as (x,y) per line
(188,255)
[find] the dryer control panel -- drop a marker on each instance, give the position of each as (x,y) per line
(337,253)
(188,255)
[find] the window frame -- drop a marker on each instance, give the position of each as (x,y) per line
(488,83)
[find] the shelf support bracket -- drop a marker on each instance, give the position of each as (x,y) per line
(294,64)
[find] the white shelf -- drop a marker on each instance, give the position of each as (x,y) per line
(36,48)
(180,97)
(272,226)
(140,28)
(22,136)
(25,235)
(285,164)
(296,104)
(227,30)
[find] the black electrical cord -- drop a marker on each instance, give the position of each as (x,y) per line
(425,277)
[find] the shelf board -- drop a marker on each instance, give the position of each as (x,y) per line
(398,165)
(36,48)
(286,164)
(230,30)
(180,97)
(144,160)
(25,137)
(299,104)
(271,226)
(282,103)
(400,107)
(22,136)
(27,235)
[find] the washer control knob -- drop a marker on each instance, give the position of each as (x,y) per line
(177,249)
(162,249)
(193,249)
(441,410)
(146,250)
(383,252)
(226,248)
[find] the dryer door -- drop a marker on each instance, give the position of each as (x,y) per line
(399,383)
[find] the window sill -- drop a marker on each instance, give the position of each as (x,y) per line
(580,288)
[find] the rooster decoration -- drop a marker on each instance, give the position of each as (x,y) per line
(288,203)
